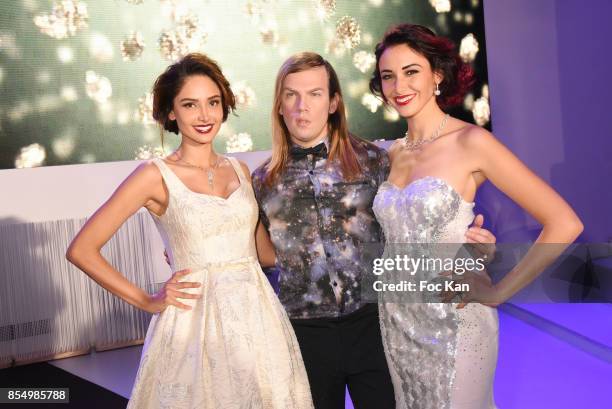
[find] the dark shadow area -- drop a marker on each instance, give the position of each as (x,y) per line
(83,394)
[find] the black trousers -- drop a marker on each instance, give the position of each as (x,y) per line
(346,352)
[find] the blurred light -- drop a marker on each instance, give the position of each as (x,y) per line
(43,77)
(283,51)
(390,114)
(441,6)
(66,18)
(245,96)
(348,32)
(105,112)
(1,74)
(442,22)
(368,39)
(136,2)
(123,117)
(132,47)
(335,47)
(185,38)
(253,11)
(88,158)
(371,102)
(475,3)
(485,91)
(469,18)
(468,102)
(175,9)
(226,130)
(357,88)
(65,54)
(364,61)
(100,48)
(303,20)
(19,111)
(457,16)
(481,111)
(269,33)
(241,142)
(377,3)
(69,94)
(8,45)
(46,103)
(147,152)
(98,88)
(63,146)
(30,156)
(325,9)
(29,5)
(468,48)
(170,45)
(150,134)
(144,114)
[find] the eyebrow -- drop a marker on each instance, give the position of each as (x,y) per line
(293,90)
(404,67)
(194,99)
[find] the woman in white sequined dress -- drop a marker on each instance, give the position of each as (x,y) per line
(219,337)
(443,355)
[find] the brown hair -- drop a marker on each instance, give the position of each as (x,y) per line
(458,77)
(342,145)
(170,82)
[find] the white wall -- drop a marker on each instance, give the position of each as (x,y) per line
(69,192)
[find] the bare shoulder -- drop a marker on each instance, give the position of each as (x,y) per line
(397,144)
(395,147)
(147,174)
(473,137)
(245,169)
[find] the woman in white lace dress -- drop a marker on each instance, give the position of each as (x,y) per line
(219,337)
(443,355)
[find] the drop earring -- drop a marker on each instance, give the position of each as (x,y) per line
(437,91)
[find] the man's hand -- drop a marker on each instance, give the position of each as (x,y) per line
(482,239)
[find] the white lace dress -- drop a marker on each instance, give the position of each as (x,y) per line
(439,357)
(236,347)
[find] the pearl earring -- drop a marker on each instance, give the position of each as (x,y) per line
(437,91)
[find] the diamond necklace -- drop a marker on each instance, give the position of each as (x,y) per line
(416,145)
(209,170)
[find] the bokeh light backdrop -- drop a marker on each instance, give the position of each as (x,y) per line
(75,76)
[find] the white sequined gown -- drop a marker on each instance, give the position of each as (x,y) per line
(439,357)
(236,348)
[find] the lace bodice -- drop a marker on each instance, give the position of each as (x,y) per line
(200,229)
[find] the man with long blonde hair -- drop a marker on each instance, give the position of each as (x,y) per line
(315,194)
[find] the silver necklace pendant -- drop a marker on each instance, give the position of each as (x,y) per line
(416,145)
(210,171)
(211,176)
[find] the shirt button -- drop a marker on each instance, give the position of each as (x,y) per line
(310,172)
(334,283)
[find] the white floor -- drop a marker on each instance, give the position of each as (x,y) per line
(113,370)
(537,367)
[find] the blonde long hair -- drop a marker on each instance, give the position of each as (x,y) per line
(342,145)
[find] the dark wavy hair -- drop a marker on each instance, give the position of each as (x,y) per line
(169,84)
(458,77)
